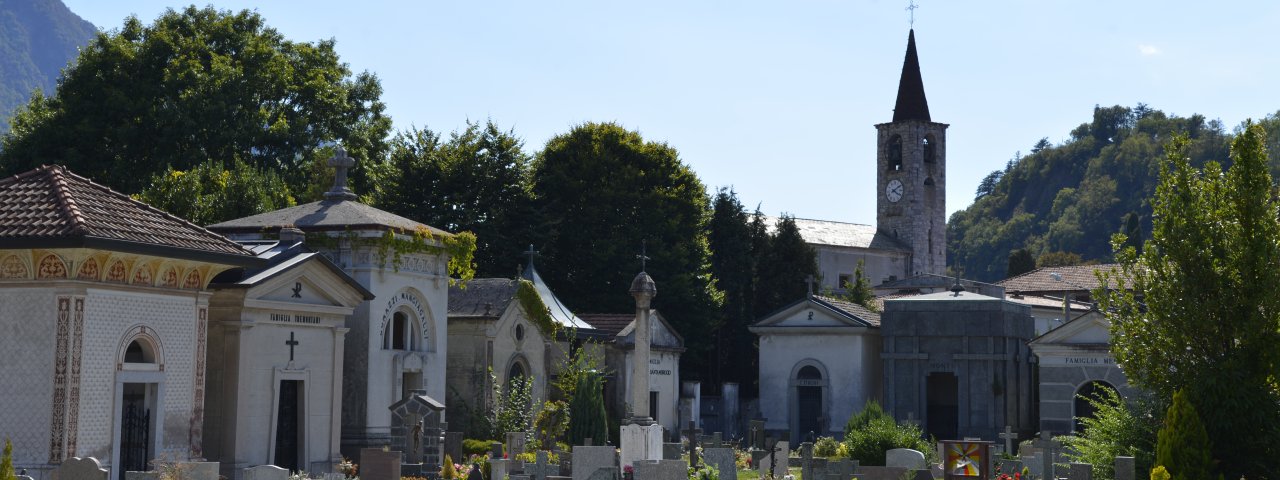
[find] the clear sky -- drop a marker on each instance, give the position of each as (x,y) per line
(778,99)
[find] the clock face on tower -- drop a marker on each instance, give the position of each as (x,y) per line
(893,191)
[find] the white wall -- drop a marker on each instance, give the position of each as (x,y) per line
(878,265)
(27,340)
(852,371)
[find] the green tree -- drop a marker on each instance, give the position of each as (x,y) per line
(209,193)
(1202,313)
(602,191)
(784,266)
(1132,230)
(586,412)
(1182,446)
(1020,262)
(858,289)
(6,462)
(477,180)
(1058,259)
(1118,427)
(872,432)
(198,85)
(733,265)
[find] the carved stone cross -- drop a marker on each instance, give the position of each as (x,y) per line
(340,163)
(1047,446)
(1009,437)
(693,432)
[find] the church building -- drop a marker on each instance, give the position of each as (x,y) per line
(396,343)
(104,307)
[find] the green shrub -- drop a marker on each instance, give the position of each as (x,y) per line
(472,446)
(869,443)
(587,418)
(826,447)
(6,462)
(871,411)
(1118,427)
(1182,446)
(1159,473)
(447,471)
(532,457)
(549,424)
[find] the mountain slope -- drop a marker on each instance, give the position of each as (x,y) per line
(1072,197)
(37,39)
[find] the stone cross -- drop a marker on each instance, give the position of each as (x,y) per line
(541,470)
(643,256)
(808,283)
(1009,437)
(1047,446)
(806,460)
(340,163)
(911,8)
(692,432)
(530,253)
(291,342)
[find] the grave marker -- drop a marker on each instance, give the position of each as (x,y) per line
(1080,471)
(78,468)
(1125,468)
(590,460)
(692,432)
(264,472)
(379,464)
(540,470)
(724,460)
(1049,447)
(1009,437)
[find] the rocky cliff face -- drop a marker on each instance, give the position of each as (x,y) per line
(37,39)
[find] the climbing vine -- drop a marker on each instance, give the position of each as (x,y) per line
(393,244)
(538,312)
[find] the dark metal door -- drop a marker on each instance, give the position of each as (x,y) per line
(287,426)
(810,412)
(135,429)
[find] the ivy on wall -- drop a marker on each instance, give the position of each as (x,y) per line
(393,244)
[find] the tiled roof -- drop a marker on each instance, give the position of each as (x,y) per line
(1074,278)
(324,215)
(280,257)
(482,297)
(839,234)
(52,207)
(608,323)
(853,309)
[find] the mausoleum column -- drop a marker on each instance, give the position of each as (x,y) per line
(644,290)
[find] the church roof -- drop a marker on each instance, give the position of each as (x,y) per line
(609,323)
(911,104)
(559,312)
(481,297)
(1073,279)
(851,309)
(840,234)
(50,207)
(326,215)
(280,257)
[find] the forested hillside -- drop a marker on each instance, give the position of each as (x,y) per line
(1070,198)
(37,39)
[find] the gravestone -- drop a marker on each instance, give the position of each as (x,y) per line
(264,472)
(377,464)
(588,461)
(1011,466)
(1048,447)
(692,432)
(499,467)
(724,460)
(1080,471)
(756,440)
(453,446)
(607,473)
(152,475)
(661,470)
(905,458)
(671,451)
(495,450)
(515,444)
(778,463)
(333,476)
(540,470)
(1125,468)
(839,470)
(806,460)
(566,463)
(1009,438)
(78,468)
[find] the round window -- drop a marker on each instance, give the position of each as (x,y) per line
(519,332)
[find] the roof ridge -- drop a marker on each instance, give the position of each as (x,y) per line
(219,237)
(66,201)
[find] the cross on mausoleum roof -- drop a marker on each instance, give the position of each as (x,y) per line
(340,163)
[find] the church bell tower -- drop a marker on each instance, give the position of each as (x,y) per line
(911,160)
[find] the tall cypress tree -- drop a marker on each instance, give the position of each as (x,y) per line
(586,412)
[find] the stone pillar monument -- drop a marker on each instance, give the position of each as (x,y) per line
(641,438)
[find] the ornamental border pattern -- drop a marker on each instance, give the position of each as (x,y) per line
(196,432)
(77,341)
(57,427)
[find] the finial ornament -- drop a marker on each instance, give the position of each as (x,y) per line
(911,10)
(957,287)
(808,283)
(643,256)
(340,163)
(530,253)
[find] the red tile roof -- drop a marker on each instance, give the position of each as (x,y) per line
(610,323)
(52,207)
(1073,278)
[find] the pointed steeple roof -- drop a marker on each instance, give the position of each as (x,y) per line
(911,102)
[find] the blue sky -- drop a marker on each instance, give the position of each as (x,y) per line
(779,99)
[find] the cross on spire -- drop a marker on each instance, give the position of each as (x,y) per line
(643,256)
(291,342)
(340,163)
(808,283)
(911,10)
(530,253)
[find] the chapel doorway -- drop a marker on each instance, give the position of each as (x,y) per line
(943,411)
(808,403)
(135,428)
(1095,390)
(289,426)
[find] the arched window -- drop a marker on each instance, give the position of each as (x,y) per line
(400,333)
(1095,390)
(516,372)
(895,153)
(809,372)
(929,149)
(136,352)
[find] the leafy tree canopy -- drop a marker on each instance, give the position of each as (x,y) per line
(209,193)
(194,86)
(1202,314)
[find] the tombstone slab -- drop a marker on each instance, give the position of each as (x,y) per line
(78,468)
(640,442)
(375,464)
(499,468)
(264,472)
(1080,471)
(671,451)
(778,464)
(588,460)
(723,459)
(662,470)
(905,458)
(515,444)
(1126,468)
(607,473)
(135,476)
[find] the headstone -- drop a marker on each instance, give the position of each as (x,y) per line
(1012,466)
(662,470)
(778,463)
(376,464)
(78,468)
(806,460)
(515,444)
(1080,471)
(499,467)
(333,476)
(199,470)
(453,446)
(1049,447)
(1009,438)
(671,451)
(756,439)
(152,475)
(840,470)
(1125,468)
(640,442)
(607,473)
(692,432)
(588,461)
(566,463)
(905,458)
(540,470)
(264,472)
(724,460)
(1034,464)
(495,450)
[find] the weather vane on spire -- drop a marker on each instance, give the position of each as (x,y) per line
(911,9)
